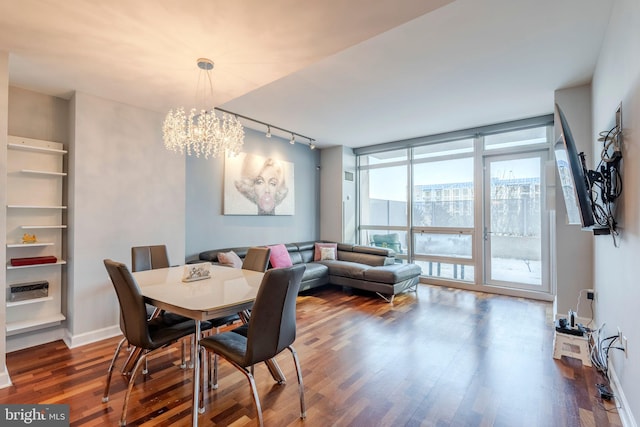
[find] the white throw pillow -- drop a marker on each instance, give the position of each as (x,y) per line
(327,254)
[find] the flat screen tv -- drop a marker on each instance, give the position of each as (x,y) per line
(573,177)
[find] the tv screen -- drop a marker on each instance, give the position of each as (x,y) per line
(575,187)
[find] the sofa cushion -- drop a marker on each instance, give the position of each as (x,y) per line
(315,271)
(230,259)
(318,250)
(393,273)
(352,270)
(279,257)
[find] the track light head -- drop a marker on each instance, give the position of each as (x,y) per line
(268,134)
(293,139)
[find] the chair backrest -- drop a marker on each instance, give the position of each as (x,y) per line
(149,257)
(257,259)
(133,314)
(272,326)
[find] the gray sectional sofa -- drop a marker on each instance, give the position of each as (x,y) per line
(360,267)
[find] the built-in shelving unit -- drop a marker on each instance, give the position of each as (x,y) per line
(35,206)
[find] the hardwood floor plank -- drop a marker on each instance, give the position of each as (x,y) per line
(441,357)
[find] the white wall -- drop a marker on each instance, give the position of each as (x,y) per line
(574,247)
(4,106)
(338,196)
(617,270)
(125,190)
(206,226)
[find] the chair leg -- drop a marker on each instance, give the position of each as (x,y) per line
(105,396)
(132,380)
(213,382)
(183,361)
(254,391)
(303,409)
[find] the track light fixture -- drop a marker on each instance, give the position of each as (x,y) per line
(269,126)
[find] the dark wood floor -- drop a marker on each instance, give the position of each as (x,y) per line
(442,357)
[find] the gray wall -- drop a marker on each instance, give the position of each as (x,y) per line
(125,190)
(617,270)
(574,247)
(207,227)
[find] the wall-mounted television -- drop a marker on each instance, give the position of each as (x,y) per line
(573,179)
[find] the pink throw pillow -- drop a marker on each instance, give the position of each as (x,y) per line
(279,257)
(317,256)
(229,259)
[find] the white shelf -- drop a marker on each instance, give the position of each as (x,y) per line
(34,204)
(25,147)
(35,207)
(39,227)
(60,262)
(29,245)
(28,325)
(48,173)
(29,301)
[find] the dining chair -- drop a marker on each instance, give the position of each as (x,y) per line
(271,329)
(256,259)
(149,257)
(140,331)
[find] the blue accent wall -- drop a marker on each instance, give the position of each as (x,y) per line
(206,226)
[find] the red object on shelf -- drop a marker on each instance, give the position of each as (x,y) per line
(18,262)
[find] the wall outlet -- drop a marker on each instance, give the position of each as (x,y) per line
(622,341)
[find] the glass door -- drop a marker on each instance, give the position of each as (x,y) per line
(515,227)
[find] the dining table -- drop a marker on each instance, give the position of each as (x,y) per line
(225,291)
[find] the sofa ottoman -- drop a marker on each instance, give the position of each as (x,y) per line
(385,280)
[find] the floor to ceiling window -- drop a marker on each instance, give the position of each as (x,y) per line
(467,207)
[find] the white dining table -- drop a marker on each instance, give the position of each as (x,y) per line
(227,291)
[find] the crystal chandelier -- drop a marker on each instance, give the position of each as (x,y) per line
(203,132)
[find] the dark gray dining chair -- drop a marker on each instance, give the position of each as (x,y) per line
(256,259)
(149,257)
(143,333)
(271,329)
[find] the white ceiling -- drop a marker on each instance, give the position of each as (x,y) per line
(351,73)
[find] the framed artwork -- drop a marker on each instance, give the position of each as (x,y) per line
(257,185)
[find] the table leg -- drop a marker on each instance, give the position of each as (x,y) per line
(196,377)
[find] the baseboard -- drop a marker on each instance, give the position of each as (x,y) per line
(5,381)
(34,338)
(626,417)
(73,341)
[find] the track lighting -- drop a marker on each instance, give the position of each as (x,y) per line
(269,126)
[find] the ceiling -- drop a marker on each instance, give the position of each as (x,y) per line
(353,73)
